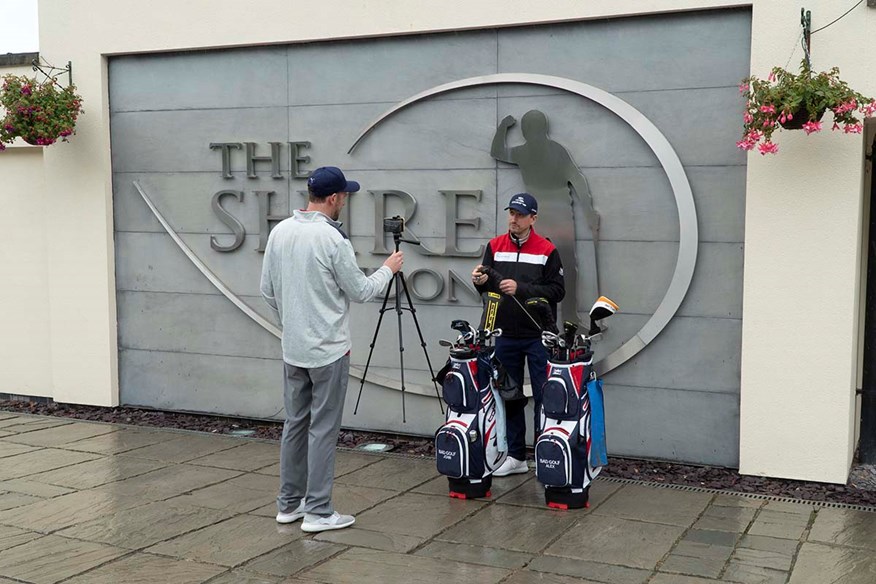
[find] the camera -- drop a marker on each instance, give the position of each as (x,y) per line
(394,225)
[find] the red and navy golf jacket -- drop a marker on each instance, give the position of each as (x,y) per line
(538,271)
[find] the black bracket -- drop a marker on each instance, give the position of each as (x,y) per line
(806,23)
(50,71)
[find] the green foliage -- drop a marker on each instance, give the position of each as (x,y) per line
(39,113)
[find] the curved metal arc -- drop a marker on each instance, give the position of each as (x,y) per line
(268,326)
(688,230)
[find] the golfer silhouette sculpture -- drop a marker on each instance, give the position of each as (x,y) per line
(562,191)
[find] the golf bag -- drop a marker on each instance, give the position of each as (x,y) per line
(472,443)
(571,450)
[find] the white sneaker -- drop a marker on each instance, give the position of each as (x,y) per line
(511,466)
(315,523)
(293,516)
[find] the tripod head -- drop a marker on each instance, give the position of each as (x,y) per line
(396,226)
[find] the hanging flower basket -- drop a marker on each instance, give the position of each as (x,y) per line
(38,113)
(798,102)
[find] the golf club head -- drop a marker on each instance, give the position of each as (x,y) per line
(445,343)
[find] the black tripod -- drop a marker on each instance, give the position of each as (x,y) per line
(399,282)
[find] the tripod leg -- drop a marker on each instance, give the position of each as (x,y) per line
(373,342)
(420,333)
(401,344)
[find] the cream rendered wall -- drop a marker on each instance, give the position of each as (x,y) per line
(803,213)
(25,355)
(803,226)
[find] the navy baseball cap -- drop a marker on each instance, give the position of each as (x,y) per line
(524,203)
(328,180)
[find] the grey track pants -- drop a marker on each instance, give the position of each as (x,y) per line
(314,400)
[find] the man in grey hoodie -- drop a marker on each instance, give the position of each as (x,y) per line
(309,276)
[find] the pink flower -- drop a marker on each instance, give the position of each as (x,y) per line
(835,126)
(743,88)
(853,128)
(771,76)
(754,135)
(745,145)
(25,90)
(747,118)
(2,146)
(811,127)
(768,148)
(869,109)
(768,109)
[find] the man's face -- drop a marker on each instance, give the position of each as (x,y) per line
(519,223)
(340,199)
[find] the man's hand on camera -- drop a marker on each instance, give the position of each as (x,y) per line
(477,275)
(508,287)
(395,261)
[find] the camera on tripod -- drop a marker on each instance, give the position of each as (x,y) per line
(394,225)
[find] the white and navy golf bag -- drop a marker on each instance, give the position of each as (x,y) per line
(570,451)
(472,442)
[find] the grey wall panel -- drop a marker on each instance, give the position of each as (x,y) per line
(184,199)
(185,346)
(390,70)
(252,78)
(705,49)
(690,353)
(439,134)
(236,386)
(660,423)
(179,141)
(213,325)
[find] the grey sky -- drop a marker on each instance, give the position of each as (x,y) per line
(18,26)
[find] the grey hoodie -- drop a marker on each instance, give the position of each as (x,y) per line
(309,276)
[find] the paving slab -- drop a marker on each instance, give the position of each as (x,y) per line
(523,529)
(167,482)
(780,524)
(656,505)
(395,474)
(94,473)
(360,566)
(229,543)
(8,449)
(248,456)
(531,494)
(292,558)
(67,510)
(724,518)
(61,435)
(723,500)
(376,540)
(745,573)
(117,442)
(475,554)
(418,515)
(678,579)
(13,500)
(38,461)
(345,463)
(241,494)
(241,577)
(618,541)
(528,577)
(145,525)
(13,536)
(845,527)
(23,424)
(501,486)
(184,447)
(50,559)
(147,569)
(601,572)
(35,488)
(818,564)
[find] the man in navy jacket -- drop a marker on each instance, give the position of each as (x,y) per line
(530,267)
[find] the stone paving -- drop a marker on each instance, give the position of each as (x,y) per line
(86,503)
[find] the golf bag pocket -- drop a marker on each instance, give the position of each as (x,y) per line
(459,449)
(561,394)
(554,451)
(460,388)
